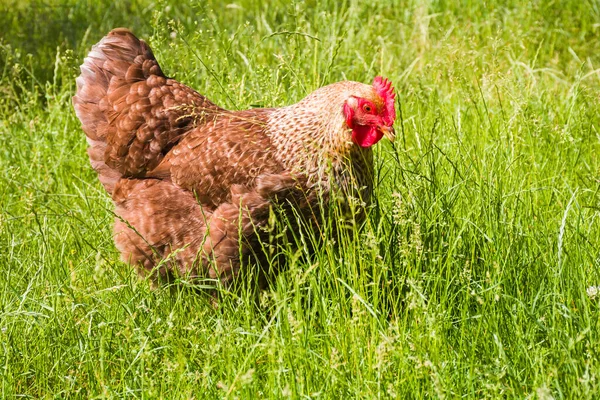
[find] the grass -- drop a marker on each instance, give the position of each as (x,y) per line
(469,281)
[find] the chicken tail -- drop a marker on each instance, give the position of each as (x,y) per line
(131,113)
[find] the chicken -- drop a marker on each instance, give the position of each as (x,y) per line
(194,183)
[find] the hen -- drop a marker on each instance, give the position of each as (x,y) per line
(195,183)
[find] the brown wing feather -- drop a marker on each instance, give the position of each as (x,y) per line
(130,111)
(157,218)
(231,150)
(154,219)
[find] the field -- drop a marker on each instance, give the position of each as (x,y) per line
(475,276)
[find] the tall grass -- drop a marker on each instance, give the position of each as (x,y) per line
(469,279)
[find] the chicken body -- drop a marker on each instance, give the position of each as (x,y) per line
(196,183)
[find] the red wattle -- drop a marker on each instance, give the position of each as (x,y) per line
(366,136)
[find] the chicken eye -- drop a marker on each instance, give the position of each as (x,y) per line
(367,108)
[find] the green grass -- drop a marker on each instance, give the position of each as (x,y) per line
(469,280)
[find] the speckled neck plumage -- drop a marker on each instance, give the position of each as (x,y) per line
(312,137)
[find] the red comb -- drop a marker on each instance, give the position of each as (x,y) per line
(384,88)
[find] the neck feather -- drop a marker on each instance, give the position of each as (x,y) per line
(312,137)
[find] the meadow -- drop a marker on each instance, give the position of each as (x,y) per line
(475,277)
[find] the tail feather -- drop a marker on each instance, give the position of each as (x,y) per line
(131,113)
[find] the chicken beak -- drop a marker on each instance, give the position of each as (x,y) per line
(388,132)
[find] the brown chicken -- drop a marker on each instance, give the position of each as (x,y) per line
(194,183)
